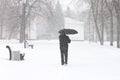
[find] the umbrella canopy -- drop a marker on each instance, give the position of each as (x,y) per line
(68,31)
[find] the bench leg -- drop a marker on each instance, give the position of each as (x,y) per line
(22,56)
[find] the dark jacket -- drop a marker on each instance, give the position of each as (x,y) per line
(64,40)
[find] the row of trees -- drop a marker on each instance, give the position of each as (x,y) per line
(8,14)
(15,16)
(103,22)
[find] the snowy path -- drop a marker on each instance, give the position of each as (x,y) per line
(86,62)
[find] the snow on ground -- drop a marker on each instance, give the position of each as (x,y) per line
(87,61)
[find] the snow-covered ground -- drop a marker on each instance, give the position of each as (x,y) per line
(87,61)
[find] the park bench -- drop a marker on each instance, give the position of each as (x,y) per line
(15,55)
(27,45)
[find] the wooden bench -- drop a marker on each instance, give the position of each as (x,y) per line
(15,55)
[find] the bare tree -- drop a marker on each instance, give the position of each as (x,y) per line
(26,11)
(109,5)
(116,4)
(94,7)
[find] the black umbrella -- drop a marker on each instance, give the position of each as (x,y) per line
(68,31)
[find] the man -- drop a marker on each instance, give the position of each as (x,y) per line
(64,40)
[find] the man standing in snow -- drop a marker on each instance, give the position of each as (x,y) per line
(64,40)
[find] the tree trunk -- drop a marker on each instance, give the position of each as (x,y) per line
(110,8)
(118,31)
(23,24)
(116,6)
(95,20)
(10,35)
(1,33)
(89,27)
(111,30)
(102,20)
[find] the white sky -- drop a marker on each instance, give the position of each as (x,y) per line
(65,3)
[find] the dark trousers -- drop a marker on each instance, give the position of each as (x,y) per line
(64,55)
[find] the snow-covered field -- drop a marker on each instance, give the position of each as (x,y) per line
(86,62)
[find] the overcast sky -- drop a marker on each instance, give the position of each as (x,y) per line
(66,3)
